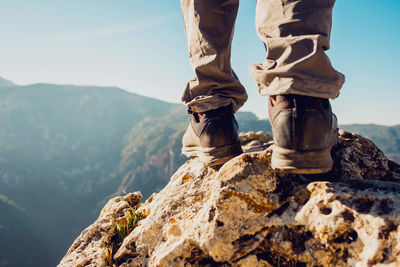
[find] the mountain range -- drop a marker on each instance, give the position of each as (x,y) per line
(65,150)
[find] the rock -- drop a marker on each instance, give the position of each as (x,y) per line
(91,248)
(247,214)
(250,140)
(360,158)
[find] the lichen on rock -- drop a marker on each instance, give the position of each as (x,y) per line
(247,214)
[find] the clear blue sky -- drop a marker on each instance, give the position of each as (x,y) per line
(140,46)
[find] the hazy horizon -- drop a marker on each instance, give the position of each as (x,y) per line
(94,85)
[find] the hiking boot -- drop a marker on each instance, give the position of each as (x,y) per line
(304,130)
(212,136)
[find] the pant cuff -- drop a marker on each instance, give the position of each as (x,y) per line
(205,103)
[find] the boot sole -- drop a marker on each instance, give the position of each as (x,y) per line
(303,162)
(213,156)
(309,162)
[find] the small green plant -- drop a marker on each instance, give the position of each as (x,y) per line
(122,230)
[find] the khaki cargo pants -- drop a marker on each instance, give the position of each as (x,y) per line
(295,32)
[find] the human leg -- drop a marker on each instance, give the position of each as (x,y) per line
(215,93)
(209,26)
(298,77)
(296,34)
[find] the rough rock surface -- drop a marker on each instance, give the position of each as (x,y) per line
(91,248)
(247,214)
(253,139)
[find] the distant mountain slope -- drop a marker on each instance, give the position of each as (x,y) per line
(16,235)
(59,149)
(6,83)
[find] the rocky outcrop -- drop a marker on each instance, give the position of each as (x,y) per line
(93,246)
(246,214)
